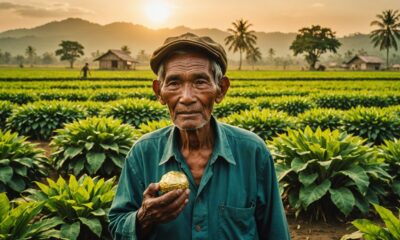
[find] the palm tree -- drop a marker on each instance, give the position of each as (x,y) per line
(253,55)
(387,33)
(241,38)
(126,49)
(30,52)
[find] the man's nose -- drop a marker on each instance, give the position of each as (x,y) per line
(187,96)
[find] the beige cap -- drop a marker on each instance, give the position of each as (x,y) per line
(189,41)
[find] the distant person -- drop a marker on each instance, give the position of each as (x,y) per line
(85,71)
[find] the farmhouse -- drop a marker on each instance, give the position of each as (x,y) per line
(396,67)
(116,60)
(365,63)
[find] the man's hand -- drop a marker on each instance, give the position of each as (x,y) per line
(159,209)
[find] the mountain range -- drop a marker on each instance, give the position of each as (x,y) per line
(93,37)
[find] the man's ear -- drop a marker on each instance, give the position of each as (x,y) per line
(224,84)
(157,91)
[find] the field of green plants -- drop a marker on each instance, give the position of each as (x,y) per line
(335,144)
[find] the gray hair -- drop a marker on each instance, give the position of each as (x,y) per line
(215,69)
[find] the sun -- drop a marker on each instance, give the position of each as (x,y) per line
(157,11)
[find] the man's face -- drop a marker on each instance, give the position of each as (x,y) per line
(189,90)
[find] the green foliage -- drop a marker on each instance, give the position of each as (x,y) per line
(6,108)
(347,101)
(369,230)
(232,105)
(390,152)
(39,120)
(324,118)
(70,51)
(265,123)
(20,163)
(150,127)
(322,172)
(16,222)
(92,146)
(292,105)
(105,96)
(18,97)
(82,205)
(314,41)
(372,123)
(136,111)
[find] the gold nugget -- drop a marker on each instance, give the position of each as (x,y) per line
(173,180)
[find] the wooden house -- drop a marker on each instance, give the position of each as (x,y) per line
(116,60)
(365,63)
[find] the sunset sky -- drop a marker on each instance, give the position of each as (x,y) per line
(343,16)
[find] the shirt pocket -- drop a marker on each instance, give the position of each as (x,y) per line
(237,223)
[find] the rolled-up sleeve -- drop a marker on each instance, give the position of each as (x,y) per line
(270,215)
(127,201)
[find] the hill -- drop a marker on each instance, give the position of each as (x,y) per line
(93,36)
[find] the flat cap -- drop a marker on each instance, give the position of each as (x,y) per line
(189,41)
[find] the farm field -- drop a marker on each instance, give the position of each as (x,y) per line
(66,73)
(334,136)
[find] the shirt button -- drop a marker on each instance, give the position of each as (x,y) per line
(198,228)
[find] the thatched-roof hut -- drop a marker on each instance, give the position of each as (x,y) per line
(116,60)
(365,63)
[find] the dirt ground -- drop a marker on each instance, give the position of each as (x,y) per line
(299,229)
(302,230)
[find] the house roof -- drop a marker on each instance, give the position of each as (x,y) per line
(366,59)
(120,54)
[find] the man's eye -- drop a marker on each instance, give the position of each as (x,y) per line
(200,81)
(172,83)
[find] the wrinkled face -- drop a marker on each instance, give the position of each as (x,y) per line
(189,90)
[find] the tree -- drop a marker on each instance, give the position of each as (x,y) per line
(271,54)
(48,58)
(142,56)
(241,38)
(388,33)
(314,42)
(125,49)
(253,55)
(19,59)
(70,51)
(30,52)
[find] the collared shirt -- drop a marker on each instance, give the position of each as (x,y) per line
(237,198)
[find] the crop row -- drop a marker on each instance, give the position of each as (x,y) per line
(40,119)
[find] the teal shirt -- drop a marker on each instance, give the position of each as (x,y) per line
(237,198)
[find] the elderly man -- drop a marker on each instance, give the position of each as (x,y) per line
(233,191)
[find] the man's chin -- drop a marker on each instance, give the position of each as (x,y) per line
(190,125)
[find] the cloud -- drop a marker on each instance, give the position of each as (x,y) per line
(318,5)
(54,10)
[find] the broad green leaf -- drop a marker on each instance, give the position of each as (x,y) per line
(358,175)
(6,174)
(370,228)
(307,178)
(93,224)
(4,205)
(71,152)
(17,184)
(71,231)
(98,212)
(95,161)
(313,192)
(391,222)
(343,199)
